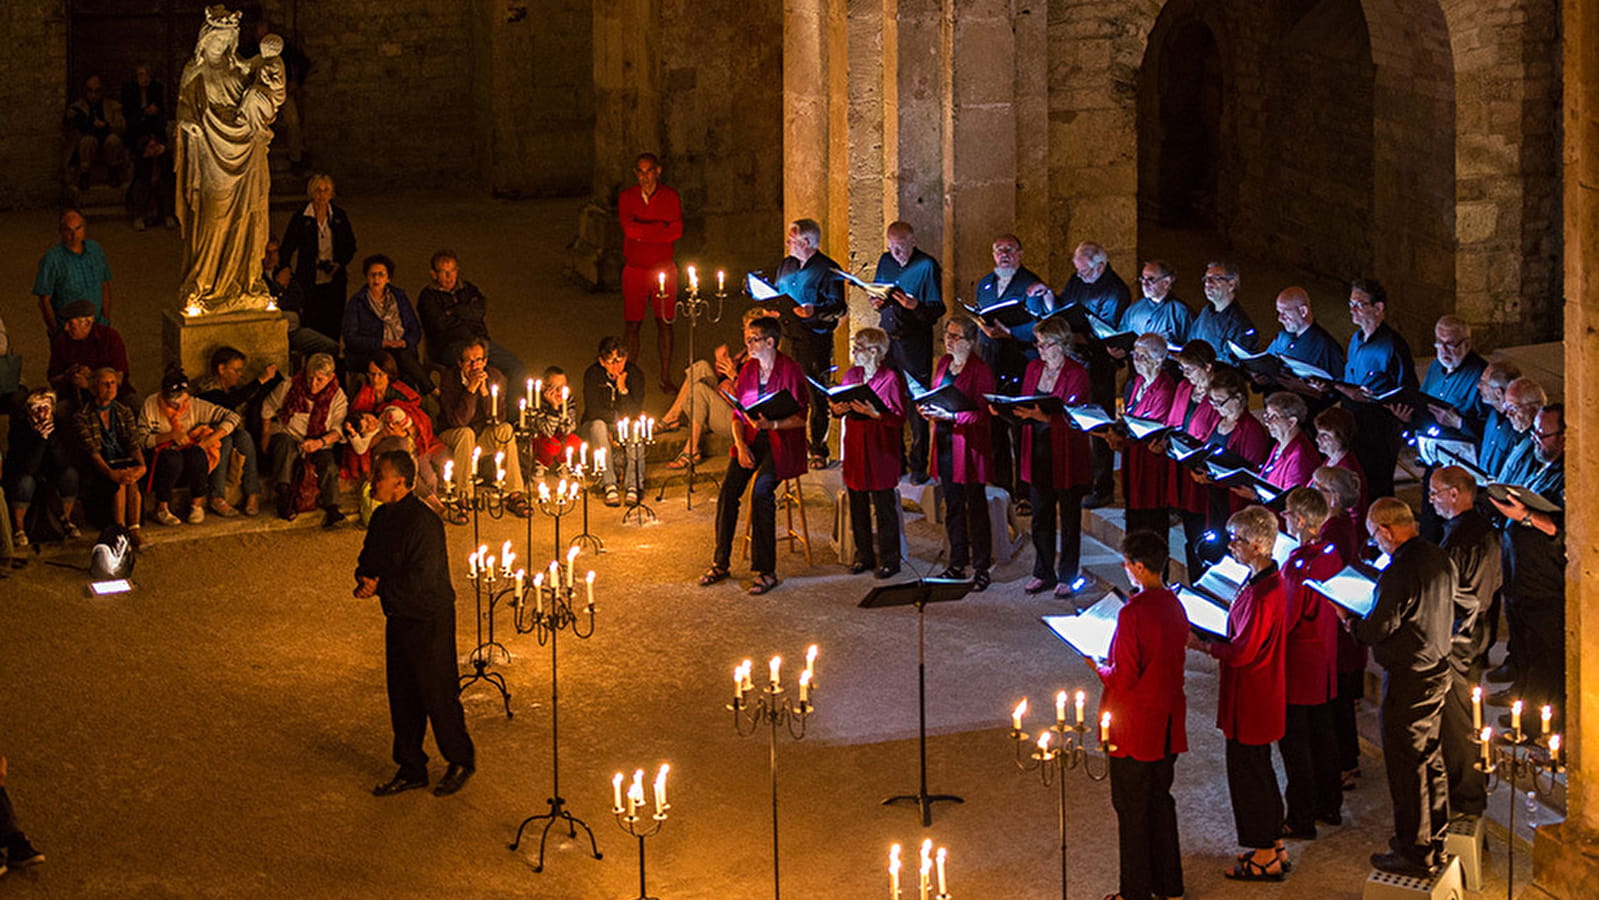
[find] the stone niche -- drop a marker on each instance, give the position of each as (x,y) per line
(261,335)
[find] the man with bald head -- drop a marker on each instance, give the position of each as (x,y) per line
(74,269)
(1302,337)
(1491,425)
(1523,398)
(1451,378)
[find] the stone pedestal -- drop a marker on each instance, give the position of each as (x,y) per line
(596,252)
(263,337)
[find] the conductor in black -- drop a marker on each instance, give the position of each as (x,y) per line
(404,563)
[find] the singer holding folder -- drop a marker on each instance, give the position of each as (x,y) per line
(1055,459)
(1192,413)
(961,444)
(766,451)
(1149,395)
(873,447)
(1252,700)
(1143,679)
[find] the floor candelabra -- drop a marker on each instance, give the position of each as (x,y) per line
(633,438)
(1058,750)
(930,861)
(1515,756)
(561,502)
(694,307)
(490,587)
(585,474)
(631,818)
(770,706)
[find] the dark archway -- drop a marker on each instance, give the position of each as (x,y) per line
(1183,149)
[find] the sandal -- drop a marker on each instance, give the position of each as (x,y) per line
(1247,869)
(818,462)
(763,582)
(981,580)
(684,458)
(518,506)
(713,575)
(1282,857)
(1037,586)
(668,425)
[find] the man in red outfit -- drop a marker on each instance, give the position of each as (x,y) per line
(652,221)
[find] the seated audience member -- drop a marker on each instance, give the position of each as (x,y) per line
(873,447)
(81,346)
(553,422)
(290,297)
(961,452)
(152,192)
(1191,411)
(186,434)
(1293,454)
(144,105)
(94,127)
(380,389)
(399,429)
(108,429)
(472,415)
(613,390)
(1143,680)
(19,853)
(1335,434)
(39,456)
(304,417)
(73,269)
(1055,460)
(379,317)
(1310,761)
(1251,705)
(1345,530)
(1149,395)
(453,312)
(765,451)
(228,388)
(708,410)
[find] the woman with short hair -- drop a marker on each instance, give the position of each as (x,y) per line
(317,247)
(963,444)
(1056,464)
(874,450)
(380,318)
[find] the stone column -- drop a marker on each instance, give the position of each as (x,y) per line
(980,165)
(918,124)
(873,143)
(1566,856)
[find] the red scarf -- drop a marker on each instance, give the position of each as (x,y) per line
(300,399)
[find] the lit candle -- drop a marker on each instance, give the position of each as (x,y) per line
(1043,742)
(738,686)
(635,792)
(538,592)
(599,459)
(488,570)
(588,582)
(616,792)
(569,458)
(449,475)
(505,555)
(749,671)
(927,866)
(1079,702)
(1016,715)
(1487,742)
(583,454)
(494,401)
(810,660)
(805,686)
(660,789)
(893,870)
(571,558)
(1544,715)
(528,400)
(471,566)
(721,281)
(544,491)
(520,575)
(538,394)
(943,886)
(1515,718)
(566,396)
(693,279)
(521,412)
(555,575)
(1476,708)
(560,489)
(477,454)
(661,282)
(1104,728)
(776,665)
(1060,708)
(499,463)
(1554,749)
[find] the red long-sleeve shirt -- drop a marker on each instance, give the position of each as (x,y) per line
(1252,702)
(1143,678)
(649,229)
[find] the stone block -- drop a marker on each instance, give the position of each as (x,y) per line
(1475,222)
(262,336)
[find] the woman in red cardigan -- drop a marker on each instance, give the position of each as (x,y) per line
(1144,478)
(1252,701)
(1345,529)
(873,448)
(1191,411)
(1236,431)
(1055,460)
(963,446)
(1143,679)
(1335,435)
(768,452)
(1293,454)
(1309,759)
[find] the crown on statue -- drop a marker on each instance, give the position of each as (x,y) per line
(217,18)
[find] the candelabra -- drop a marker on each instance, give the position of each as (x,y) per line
(929,860)
(1514,756)
(485,496)
(1058,750)
(584,476)
(555,610)
(771,707)
(634,436)
(562,502)
(694,307)
(509,583)
(629,819)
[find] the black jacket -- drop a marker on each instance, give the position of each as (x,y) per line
(299,245)
(405,551)
(1409,629)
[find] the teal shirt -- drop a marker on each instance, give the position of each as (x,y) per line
(65,276)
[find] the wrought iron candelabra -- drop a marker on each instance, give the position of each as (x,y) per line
(1059,749)
(633,438)
(585,474)
(556,504)
(489,586)
(694,307)
(556,609)
(1513,757)
(929,861)
(486,496)
(631,819)
(770,706)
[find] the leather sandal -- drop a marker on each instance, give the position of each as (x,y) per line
(764,582)
(1247,869)
(713,575)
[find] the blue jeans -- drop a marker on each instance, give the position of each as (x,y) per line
(249,472)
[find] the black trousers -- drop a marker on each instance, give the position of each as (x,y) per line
(971,541)
(862,506)
(1377,448)
(187,467)
(1054,508)
(1468,788)
(1412,720)
(1310,761)
(1346,736)
(763,510)
(1542,678)
(814,353)
(323,309)
(1257,801)
(1146,824)
(285,452)
(920,429)
(423,679)
(1102,387)
(9,832)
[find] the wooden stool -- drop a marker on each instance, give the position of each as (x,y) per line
(789,497)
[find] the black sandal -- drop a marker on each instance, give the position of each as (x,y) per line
(764,582)
(1249,870)
(713,575)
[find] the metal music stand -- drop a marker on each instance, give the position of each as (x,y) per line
(919,593)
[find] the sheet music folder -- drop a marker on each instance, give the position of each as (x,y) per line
(776,406)
(1354,588)
(1204,613)
(1090,631)
(847,393)
(922,591)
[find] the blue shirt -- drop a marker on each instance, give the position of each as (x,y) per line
(1313,345)
(1107,298)
(1457,388)
(1521,465)
(1498,439)
(1007,358)
(65,276)
(1169,318)
(813,284)
(911,330)
(1380,363)
(1217,328)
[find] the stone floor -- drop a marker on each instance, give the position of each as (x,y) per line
(214,732)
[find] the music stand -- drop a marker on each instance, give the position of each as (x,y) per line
(919,593)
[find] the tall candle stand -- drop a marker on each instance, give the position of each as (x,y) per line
(585,476)
(771,707)
(926,884)
(694,307)
(556,609)
(555,504)
(1513,756)
(634,438)
(488,495)
(631,819)
(510,584)
(1058,750)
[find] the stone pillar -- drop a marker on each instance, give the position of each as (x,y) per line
(918,125)
(980,169)
(1566,856)
(873,144)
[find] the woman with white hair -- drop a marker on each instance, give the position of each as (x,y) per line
(1149,396)
(304,418)
(318,244)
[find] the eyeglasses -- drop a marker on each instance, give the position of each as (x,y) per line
(1152,279)
(1546,435)
(1051,343)
(1219,279)
(1452,345)
(953,336)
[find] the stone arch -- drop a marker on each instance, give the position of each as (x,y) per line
(1180,134)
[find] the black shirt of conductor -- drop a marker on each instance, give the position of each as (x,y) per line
(405,564)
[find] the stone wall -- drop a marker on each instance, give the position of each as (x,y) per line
(33,97)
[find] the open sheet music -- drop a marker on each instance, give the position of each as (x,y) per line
(759,288)
(1204,613)
(1090,631)
(1354,588)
